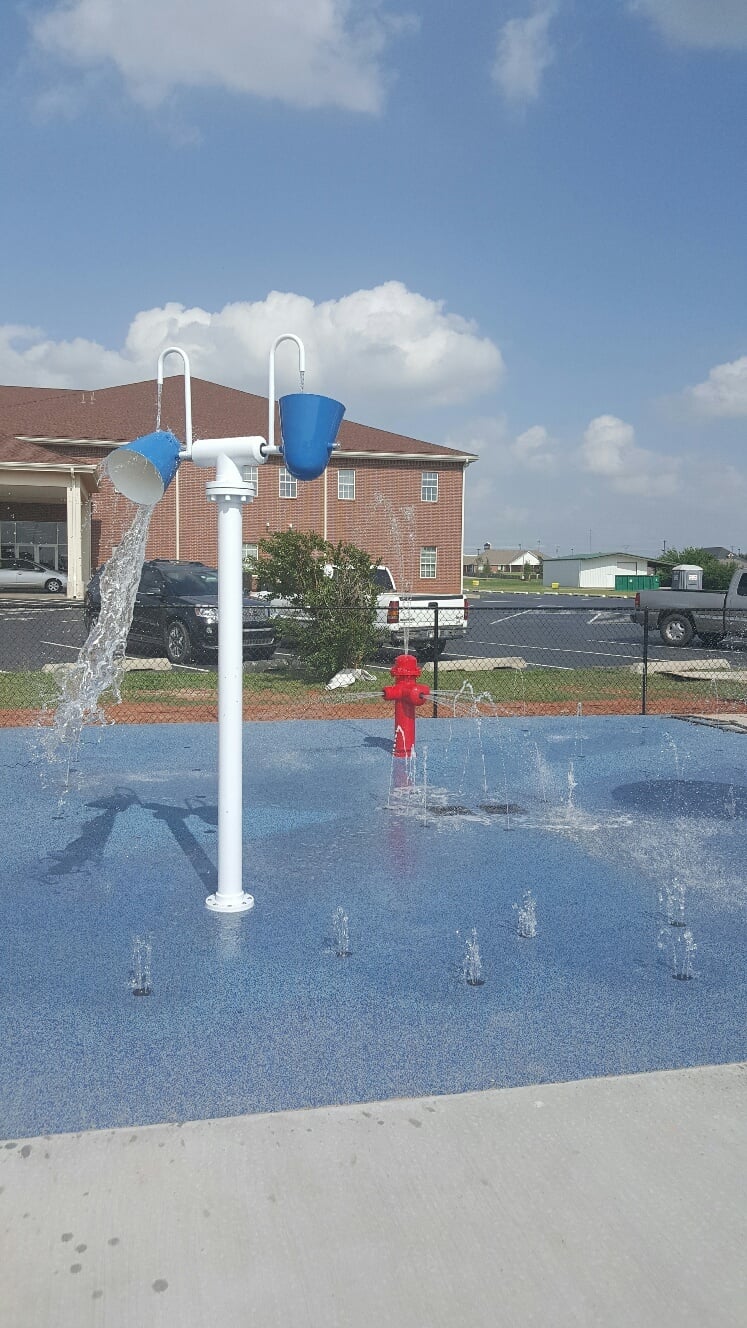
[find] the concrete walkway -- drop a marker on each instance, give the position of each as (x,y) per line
(603,1202)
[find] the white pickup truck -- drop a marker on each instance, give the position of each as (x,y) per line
(410,619)
(403,619)
(682,614)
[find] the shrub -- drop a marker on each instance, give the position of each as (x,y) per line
(330,592)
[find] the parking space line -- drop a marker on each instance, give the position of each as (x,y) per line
(520,614)
(555,650)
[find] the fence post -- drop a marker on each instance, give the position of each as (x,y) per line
(644,676)
(434,605)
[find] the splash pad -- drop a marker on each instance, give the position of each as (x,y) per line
(259,1013)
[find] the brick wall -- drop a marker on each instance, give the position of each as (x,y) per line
(387,517)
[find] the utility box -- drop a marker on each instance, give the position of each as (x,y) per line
(686,576)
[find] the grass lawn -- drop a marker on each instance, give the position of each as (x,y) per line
(537,686)
(283,693)
(507,584)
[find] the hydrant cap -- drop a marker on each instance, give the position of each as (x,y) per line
(405,666)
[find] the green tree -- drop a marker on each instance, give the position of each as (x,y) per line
(332,591)
(716,575)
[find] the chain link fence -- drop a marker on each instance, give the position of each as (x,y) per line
(513,657)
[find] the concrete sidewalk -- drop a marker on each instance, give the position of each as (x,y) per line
(601,1202)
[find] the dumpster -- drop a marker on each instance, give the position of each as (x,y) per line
(635,582)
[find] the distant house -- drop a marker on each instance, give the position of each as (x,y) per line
(501,562)
(596,569)
(726,555)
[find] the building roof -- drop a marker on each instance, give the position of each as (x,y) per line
(723,555)
(35,421)
(593,557)
(500,556)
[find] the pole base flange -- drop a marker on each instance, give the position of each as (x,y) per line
(240,903)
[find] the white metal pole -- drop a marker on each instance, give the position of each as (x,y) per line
(230,896)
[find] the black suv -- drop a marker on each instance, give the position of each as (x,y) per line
(176,612)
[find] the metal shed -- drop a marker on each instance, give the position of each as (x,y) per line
(594,570)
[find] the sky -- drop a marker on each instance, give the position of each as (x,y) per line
(514,228)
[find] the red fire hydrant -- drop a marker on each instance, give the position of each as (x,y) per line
(406,694)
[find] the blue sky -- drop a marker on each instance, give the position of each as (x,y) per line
(512,227)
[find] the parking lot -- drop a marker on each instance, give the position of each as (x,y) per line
(565,632)
(571,632)
(558,632)
(39,630)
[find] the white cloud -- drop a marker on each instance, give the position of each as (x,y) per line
(607,483)
(523,54)
(724,393)
(507,499)
(703,24)
(609,451)
(606,443)
(378,350)
(535,448)
(29,359)
(307,53)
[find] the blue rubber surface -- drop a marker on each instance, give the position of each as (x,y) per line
(256,1012)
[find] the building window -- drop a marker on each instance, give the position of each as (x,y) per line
(250,475)
(429,487)
(287,484)
(249,554)
(427,564)
(346,484)
(42,542)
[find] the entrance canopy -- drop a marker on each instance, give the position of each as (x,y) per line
(64,533)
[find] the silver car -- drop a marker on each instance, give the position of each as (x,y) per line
(19,574)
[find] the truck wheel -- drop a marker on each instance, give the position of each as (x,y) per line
(711,640)
(676,630)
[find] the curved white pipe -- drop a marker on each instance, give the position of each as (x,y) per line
(284,336)
(177,350)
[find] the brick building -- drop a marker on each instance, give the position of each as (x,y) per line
(399,498)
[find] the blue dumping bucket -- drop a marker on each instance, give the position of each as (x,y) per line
(143,470)
(309,426)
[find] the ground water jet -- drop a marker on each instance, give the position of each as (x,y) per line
(472,963)
(683,949)
(672,902)
(402,530)
(140,975)
(341,933)
(579,743)
(526,921)
(572,786)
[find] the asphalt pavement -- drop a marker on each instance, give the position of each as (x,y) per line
(557,632)
(563,632)
(39,631)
